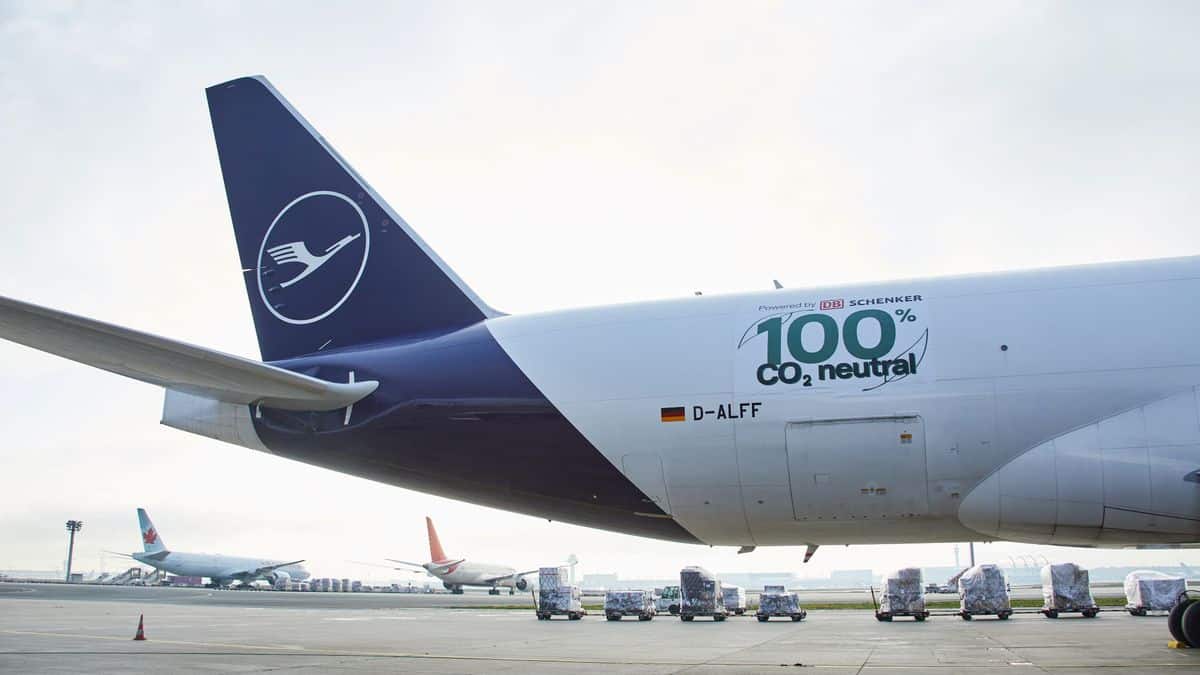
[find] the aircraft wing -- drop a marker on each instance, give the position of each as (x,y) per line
(172,364)
(514,575)
(267,569)
(261,571)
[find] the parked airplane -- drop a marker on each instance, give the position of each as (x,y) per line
(456,573)
(1050,406)
(222,570)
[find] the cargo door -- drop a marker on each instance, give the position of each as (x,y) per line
(857,469)
(645,470)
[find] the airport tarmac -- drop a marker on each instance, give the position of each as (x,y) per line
(56,628)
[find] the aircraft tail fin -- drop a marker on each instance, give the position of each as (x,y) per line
(436,554)
(151,540)
(327,263)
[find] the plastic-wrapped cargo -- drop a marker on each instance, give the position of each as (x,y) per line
(1066,588)
(1150,591)
(629,603)
(774,601)
(902,593)
(551,578)
(701,594)
(734,599)
(556,595)
(983,589)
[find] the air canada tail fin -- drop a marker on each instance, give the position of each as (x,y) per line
(150,539)
(436,554)
(327,263)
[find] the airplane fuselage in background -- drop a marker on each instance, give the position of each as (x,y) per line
(467,573)
(219,568)
(1050,406)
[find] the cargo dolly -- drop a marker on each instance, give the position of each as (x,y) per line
(767,616)
(919,615)
(1089,612)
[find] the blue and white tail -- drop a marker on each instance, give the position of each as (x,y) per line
(151,540)
(327,263)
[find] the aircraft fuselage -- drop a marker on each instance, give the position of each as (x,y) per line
(863,414)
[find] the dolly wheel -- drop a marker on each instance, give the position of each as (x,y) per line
(919,617)
(1175,620)
(1191,623)
(965,616)
(762,618)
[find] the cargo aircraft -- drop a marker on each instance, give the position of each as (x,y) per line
(221,570)
(1052,406)
(457,573)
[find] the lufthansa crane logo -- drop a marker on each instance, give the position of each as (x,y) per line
(313,256)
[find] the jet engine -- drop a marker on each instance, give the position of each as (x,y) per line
(278,578)
(522,584)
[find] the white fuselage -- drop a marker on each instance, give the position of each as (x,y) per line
(467,573)
(214,566)
(1054,406)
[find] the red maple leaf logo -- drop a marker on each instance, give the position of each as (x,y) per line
(150,536)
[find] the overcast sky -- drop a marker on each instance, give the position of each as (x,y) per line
(555,154)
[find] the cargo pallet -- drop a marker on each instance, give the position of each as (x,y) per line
(718,616)
(1087,612)
(573,616)
(1003,616)
(797,616)
(617,616)
(888,616)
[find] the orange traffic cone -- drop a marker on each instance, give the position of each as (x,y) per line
(141,632)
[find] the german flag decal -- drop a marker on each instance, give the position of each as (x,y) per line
(675,414)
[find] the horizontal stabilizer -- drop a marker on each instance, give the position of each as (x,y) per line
(405,562)
(172,364)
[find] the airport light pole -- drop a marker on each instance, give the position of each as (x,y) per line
(73,526)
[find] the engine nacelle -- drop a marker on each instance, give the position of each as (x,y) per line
(279,578)
(522,584)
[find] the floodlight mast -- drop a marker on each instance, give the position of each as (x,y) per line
(73,526)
